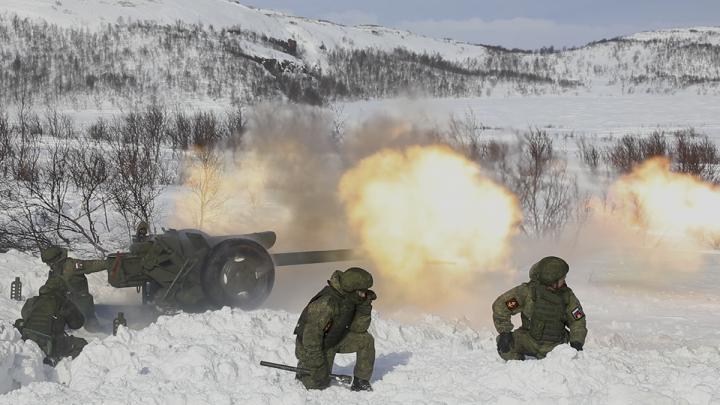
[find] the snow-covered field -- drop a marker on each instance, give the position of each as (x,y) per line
(645,346)
(585,115)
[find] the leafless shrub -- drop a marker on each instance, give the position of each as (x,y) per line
(205,183)
(179,131)
(654,145)
(99,131)
(59,125)
(6,144)
(547,193)
(697,155)
(36,210)
(630,150)
(589,154)
(235,127)
(136,153)
(465,134)
(90,172)
(206,130)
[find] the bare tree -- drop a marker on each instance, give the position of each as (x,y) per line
(89,172)
(139,175)
(205,183)
(547,193)
(697,155)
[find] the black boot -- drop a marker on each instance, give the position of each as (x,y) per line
(360,385)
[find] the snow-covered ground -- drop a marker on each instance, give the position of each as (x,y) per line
(583,115)
(653,345)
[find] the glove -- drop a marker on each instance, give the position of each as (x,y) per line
(577,346)
(505,342)
(371,296)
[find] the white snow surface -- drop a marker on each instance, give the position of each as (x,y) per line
(644,347)
(309,33)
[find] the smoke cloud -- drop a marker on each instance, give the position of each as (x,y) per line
(435,231)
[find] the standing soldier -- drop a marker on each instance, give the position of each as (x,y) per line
(72,272)
(44,319)
(141,232)
(142,242)
(336,320)
(550,312)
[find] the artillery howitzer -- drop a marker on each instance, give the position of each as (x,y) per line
(192,270)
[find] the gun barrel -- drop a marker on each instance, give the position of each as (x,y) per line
(339,377)
(316,256)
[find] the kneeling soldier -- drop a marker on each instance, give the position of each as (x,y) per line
(551,313)
(44,319)
(72,272)
(336,321)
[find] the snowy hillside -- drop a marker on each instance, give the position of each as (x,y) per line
(310,34)
(116,53)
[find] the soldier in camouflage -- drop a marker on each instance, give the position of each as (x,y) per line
(142,242)
(44,319)
(551,313)
(336,320)
(72,272)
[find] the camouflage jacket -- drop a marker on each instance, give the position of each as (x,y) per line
(327,319)
(71,267)
(521,300)
(49,313)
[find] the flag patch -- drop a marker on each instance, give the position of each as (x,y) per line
(578,313)
(512,304)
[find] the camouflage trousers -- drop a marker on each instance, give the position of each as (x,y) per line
(80,295)
(361,343)
(524,344)
(59,347)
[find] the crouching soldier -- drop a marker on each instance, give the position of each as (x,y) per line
(336,321)
(73,272)
(550,313)
(45,317)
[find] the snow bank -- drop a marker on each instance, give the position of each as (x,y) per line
(32,272)
(643,347)
(212,358)
(20,362)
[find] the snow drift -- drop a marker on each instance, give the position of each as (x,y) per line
(638,351)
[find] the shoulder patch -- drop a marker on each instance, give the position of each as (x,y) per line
(512,304)
(578,313)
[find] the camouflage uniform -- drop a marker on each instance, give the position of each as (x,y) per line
(336,321)
(549,316)
(142,242)
(72,272)
(44,319)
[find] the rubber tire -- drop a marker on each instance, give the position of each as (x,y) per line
(217,295)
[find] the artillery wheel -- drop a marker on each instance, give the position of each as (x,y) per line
(238,273)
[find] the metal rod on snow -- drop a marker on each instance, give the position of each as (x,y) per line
(339,377)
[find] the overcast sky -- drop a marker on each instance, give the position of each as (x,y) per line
(510,23)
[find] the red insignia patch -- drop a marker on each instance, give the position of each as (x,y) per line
(578,313)
(512,304)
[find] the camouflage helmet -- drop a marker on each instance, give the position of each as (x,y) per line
(54,285)
(142,228)
(355,278)
(52,254)
(549,270)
